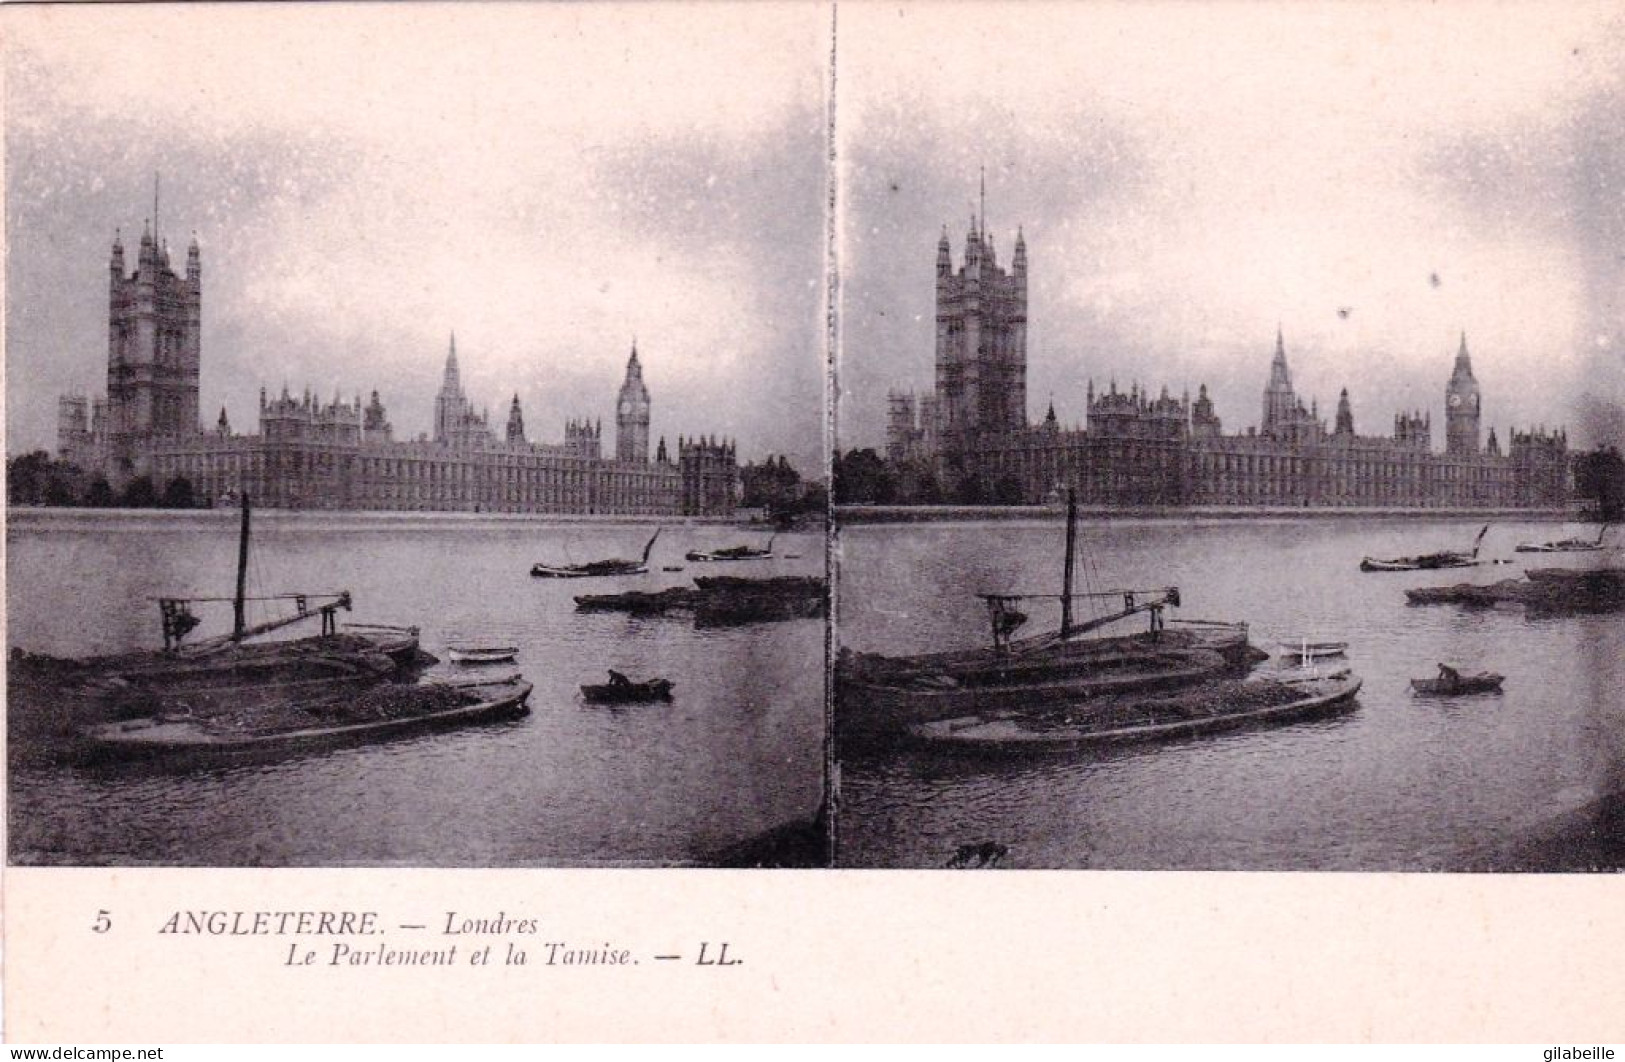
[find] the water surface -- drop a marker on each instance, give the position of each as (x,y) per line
(738,751)
(1528,778)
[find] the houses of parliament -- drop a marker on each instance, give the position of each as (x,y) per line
(311,454)
(971,438)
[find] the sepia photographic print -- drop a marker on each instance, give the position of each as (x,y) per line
(480,475)
(415,435)
(1229,423)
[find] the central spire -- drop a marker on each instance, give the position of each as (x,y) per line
(451,363)
(1279,376)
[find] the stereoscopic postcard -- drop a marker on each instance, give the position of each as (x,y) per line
(565,522)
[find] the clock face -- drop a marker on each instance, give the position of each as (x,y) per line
(626,407)
(1455,400)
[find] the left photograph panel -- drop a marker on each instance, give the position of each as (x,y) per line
(414,434)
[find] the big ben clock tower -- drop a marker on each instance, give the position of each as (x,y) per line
(1461,406)
(632,414)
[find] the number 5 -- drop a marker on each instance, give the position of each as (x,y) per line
(103,922)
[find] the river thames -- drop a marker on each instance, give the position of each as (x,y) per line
(1527,779)
(738,751)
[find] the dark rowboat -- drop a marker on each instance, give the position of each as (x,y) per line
(1452,683)
(625,692)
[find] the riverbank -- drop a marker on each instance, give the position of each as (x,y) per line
(61,518)
(911,514)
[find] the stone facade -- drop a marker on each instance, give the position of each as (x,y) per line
(1138,450)
(981,349)
(310,454)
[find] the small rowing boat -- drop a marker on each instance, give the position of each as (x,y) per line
(501,654)
(1451,683)
(622,690)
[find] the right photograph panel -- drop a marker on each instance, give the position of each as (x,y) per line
(1228,438)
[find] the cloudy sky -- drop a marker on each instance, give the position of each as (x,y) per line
(1373,178)
(547,181)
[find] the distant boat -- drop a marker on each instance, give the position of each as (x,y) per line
(1578,578)
(733,553)
(1567,545)
(1451,682)
(491,655)
(622,690)
(1470,593)
(597,568)
(1548,590)
(1428,561)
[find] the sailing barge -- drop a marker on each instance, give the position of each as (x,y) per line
(222,697)
(732,553)
(1428,561)
(1566,545)
(594,569)
(882,695)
